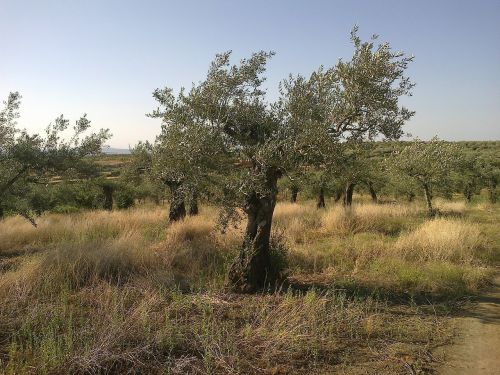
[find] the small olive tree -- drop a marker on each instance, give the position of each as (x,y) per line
(430,164)
(137,177)
(27,160)
(185,154)
(468,177)
(489,170)
(293,184)
(356,168)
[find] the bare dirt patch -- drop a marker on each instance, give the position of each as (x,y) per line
(477,348)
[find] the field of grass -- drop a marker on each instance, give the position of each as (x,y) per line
(367,291)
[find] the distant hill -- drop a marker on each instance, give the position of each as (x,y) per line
(489,148)
(115,151)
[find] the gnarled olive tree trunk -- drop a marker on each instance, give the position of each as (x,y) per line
(410,196)
(337,195)
(193,204)
(320,199)
(349,190)
(493,191)
(373,193)
(468,193)
(253,268)
(108,197)
(428,199)
(294,191)
(177,209)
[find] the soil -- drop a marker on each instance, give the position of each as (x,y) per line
(477,348)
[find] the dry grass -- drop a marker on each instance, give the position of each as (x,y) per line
(298,222)
(197,253)
(451,207)
(17,234)
(447,240)
(390,246)
(388,219)
(123,292)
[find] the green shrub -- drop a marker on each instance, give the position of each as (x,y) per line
(124,198)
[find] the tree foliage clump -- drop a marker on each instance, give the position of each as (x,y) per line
(429,164)
(489,171)
(27,160)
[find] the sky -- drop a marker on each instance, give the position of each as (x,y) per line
(105,57)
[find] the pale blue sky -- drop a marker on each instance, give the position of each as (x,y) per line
(106,57)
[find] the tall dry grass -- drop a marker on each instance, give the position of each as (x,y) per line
(392,246)
(450,207)
(196,252)
(82,249)
(298,222)
(126,291)
(388,219)
(441,239)
(17,234)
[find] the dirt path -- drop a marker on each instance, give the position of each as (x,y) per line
(477,351)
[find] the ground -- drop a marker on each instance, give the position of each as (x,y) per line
(378,289)
(478,339)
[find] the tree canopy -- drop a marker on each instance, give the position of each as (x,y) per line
(30,159)
(430,164)
(261,141)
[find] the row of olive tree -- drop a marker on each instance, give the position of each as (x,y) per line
(430,167)
(445,167)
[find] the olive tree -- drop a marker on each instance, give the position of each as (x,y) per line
(137,177)
(362,168)
(489,170)
(354,168)
(264,141)
(468,177)
(430,164)
(185,153)
(292,183)
(30,159)
(356,100)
